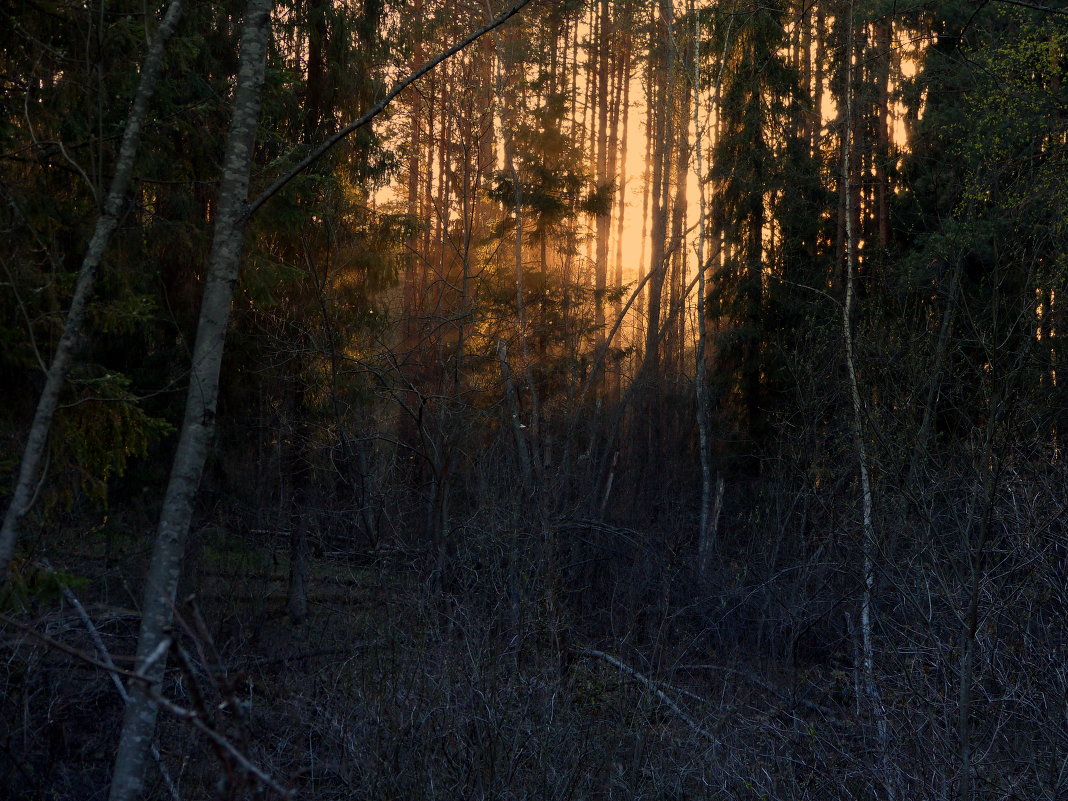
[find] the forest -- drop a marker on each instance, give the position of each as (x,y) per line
(567,400)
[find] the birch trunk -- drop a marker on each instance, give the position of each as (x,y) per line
(40,429)
(157,611)
(869,544)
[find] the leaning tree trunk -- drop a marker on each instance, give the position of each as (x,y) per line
(157,612)
(41,428)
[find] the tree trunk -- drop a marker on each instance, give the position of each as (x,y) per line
(675,337)
(621,209)
(299,566)
(663,79)
(161,585)
(883,45)
(604,221)
(40,429)
(869,544)
(706,534)
(650,134)
(415,255)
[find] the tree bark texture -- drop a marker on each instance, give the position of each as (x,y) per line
(224,259)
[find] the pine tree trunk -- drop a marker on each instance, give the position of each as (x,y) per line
(676,339)
(412,284)
(706,539)
(818,80)
(161,585)
(617,281)
(640,324)
(664,79)
(883,43)
(604,221)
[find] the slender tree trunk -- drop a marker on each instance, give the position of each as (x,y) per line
(918,459)
(37,441)
(416,254)
(966,779)
(811,115)
(512,399)
(752,289)
(664,79)
(647,184)
(883,42)
(676,336)
(869,543)
(706,536)
(705,541)
(507,128)
(604,221)
(817,80)
(621,209)
(318,46)
(299,563)
(296,470)
(161,585)
(441,207)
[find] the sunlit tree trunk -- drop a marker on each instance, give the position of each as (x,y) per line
(676,339)
(415,254)
(604,221)
(811,119)
(617,280)
(883,48)
(818,79)
(663,103)
(640,324)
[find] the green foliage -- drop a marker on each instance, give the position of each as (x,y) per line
(1013,147)
(97,435)
(31,586)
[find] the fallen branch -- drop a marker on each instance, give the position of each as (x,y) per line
(653,687)
(105,655)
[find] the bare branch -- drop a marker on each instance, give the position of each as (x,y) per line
(380,106)
(654,688)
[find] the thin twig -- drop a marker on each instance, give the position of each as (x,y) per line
(70,651)
(194,718)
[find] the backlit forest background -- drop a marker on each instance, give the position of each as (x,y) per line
(658,399)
